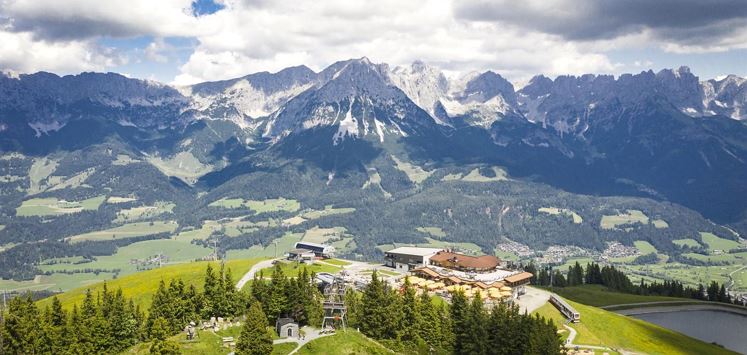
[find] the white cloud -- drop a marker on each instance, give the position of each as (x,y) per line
(20,52)
(246,38)
(256,35)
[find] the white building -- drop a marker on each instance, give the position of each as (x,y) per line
(404,259)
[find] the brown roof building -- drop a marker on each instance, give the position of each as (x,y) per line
(464,262)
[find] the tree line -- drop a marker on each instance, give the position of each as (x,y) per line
(617,280)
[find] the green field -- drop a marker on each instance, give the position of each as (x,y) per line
(327,211)
(40,169)
(644,247)
(598,296)
(127,231)
(177,251)
(344,343)
(687,241)
(55,282)
(471,248)
(144,212)
(183,165)
(716,243)
(51,206)
(322,235)
(271,205)
(660,223)
(620,219)
(556,211)
(415,173)
(432,231)
(602,328)
(475,176)
(284,244)
(141,286)
(338,262)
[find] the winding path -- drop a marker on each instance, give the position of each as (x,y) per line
(250,274)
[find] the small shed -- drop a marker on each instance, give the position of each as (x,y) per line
(286,328)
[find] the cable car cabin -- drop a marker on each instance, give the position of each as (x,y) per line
(565,309)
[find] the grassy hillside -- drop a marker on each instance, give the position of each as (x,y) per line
(602,328)
(141,286)
(599,296)
(344,343)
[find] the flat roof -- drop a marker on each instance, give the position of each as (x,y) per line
(414,251)
(300,245)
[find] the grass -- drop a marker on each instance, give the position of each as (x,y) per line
(118,199)
(144,212)
(183,165)
(177,251)
(556,211)
(415,173)
(270,205)
(660,223)
(55,282)
(344,343)
(687,241)
(468,247)
(374,179)
(716,243)
(338,262)
(292,269)
(475,176)
(141,286)
(630,217)
(51,206)
(432,231)
(127,231)
(208,342)
(284,244)
(40,169)
(603,328)
(644,247)
(327,211)
(598,296)
(321,235)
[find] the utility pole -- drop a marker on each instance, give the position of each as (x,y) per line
(276,248)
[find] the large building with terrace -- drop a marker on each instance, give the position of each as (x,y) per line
(443,272)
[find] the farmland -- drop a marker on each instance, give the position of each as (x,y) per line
(270,205)
(51,206)
(557,211)
(622,219)
(127,231)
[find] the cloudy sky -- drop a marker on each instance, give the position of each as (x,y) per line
(187,41)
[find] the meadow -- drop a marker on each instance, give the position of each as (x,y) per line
(620,333)
(141,286)
(127,231)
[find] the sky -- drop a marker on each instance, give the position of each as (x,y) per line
(185,41)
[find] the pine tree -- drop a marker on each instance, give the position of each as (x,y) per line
(255,338)
(430,327)
(278,301)
(210,289)
(411,312)
(380,314)
(477,335)
(352,302)
(161,345)
(459,317)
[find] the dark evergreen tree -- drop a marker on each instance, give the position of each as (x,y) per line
(255,338)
